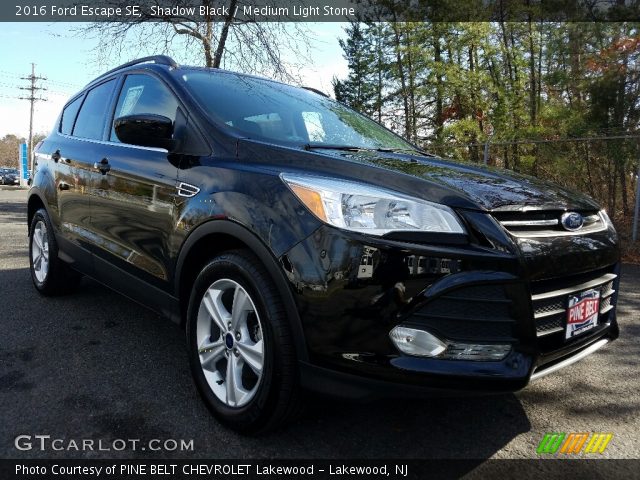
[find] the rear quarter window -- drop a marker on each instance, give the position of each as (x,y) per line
(69,116)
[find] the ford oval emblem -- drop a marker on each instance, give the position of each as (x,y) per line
(572,221)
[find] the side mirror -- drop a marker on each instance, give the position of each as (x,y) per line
(146,130)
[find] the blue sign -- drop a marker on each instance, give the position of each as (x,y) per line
(24,162)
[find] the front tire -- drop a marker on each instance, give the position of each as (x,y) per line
(50,275)
(241,351)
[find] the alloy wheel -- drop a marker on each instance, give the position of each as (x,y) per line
(40,251)
(230,342)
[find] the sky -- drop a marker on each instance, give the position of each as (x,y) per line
(68,62)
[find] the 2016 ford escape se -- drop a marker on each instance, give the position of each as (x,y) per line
(303,245)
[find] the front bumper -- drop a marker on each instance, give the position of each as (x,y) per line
(351,290)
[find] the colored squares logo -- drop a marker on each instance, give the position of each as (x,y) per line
(598,442)
(574,443)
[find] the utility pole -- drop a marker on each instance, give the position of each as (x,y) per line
(32,89)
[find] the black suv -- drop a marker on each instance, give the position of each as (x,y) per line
(304,246)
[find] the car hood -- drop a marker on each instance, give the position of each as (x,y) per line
(490,188)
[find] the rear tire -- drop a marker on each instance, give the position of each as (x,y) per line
(240,346)
(50,275)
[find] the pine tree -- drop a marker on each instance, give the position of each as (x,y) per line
(359,89)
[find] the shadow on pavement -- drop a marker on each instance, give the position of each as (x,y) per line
(14,212)
(95,365)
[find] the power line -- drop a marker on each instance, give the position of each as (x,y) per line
(32,89)
(60,92)
(64,84)
(9,74)
(9,85)
(6,73)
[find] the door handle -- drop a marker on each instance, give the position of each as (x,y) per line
(55,156)
(63,186)
(103,166)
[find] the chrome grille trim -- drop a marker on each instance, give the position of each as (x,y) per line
(529,223)
(535,228)
(608,277)
(549,332)
(549,313)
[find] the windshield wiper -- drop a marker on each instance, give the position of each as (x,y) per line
(351,148)
(326,146)
(410,151)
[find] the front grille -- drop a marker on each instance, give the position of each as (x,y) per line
(605,305)
(550,307)
(547,223)
(481,313)
(551,324)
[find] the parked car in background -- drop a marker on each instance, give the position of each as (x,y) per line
(9,176)
(303,245)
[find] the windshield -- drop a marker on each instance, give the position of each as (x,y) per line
(267,110)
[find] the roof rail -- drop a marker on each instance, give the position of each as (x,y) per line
(315,90)
(159,59)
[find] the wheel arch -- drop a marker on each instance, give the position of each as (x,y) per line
(217,236)
(34,203)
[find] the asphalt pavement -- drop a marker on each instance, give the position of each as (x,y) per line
(94,365)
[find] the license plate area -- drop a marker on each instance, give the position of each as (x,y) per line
(582,312)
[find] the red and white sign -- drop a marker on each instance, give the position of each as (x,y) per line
(582,314)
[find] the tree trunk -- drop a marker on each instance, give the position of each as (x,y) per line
(402,78)
(589,174)
(540,47)
(412,97)
(379,85)
(575,58)
(532,77)
(217,59)
(437,54)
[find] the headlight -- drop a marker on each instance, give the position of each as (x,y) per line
(368,209)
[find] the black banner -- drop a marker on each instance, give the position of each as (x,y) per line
(315,469)
(319,10)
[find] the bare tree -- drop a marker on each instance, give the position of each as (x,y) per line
(238,43)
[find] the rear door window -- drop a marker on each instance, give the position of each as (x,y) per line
(91,119)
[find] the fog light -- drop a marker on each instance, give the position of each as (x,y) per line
(417,342)
(421,343)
